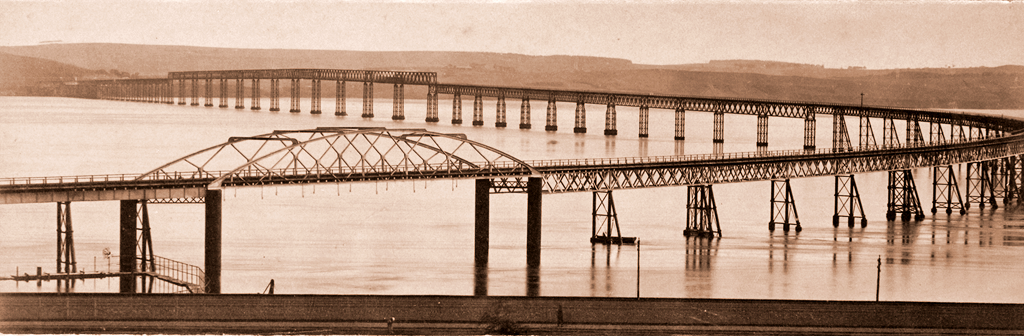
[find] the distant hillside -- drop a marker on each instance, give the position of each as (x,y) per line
(17,72)
(972,88)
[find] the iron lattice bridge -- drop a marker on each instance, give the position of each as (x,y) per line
(989,145)
(343,155)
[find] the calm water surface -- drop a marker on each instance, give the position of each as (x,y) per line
(417,238)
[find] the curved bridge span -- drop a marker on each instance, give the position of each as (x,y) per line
(990,146)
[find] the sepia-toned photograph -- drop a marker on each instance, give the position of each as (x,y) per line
(612,167)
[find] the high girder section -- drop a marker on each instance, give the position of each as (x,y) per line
(376,76)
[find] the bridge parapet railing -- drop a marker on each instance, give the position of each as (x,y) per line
(720,156)
(43,180)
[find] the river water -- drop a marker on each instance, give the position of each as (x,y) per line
(417,237)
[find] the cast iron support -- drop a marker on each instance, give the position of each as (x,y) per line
(645,113)
(524,114)
(500,112)
(978,184)
(129,218)
(478,110)
(609,118)
(296,94)
(718,132)
(680,129)
(482,232)
(65,240)
(340,105)
(212,254)
(945,191)
(223,93)
(840,134)
(534,187)
(432,113)
(255,101)
(457,109)
(398,103)
(762,132)
(847,202)
(551,119)
(783,206)
(580,122)
(367,100)
(810,126)
(208,99)
(903,197)
(314,97)
(239,93)
(701,212)
(275,94)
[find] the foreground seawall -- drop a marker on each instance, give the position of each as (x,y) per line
(250,313)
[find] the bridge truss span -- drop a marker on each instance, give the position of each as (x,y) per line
(341,154)
(632,173)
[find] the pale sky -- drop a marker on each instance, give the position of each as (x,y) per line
(876,34)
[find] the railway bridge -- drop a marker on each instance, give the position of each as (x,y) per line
(990,147)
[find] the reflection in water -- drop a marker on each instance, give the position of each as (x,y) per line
(609,146)
(699,253)
(532,281)
(680,148)
(595,288)
(642,150)
(580,144)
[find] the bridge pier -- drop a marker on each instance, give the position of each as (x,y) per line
(762,132)
(457,109)
(866,135)
(903,197)
(255,95)
(128,247)
(551,120)
(478,110)
(314,98)
(998,181)
(889,137)
(239,93)
(957,134)
(840,134)
(500,113)
(783,205)
(524,114)
(195,93)
(701,212)
(944,188)
(208,99)
(605,217)
(223,93)
(65,240)
(810,125)
(914,135)
(680,127)
(977,183)
(275,94)
(534,187)
(645,112)
(398,103)
(339,99)
(212,249)
(367,100)
(718,132)
(609,118)
(847,202)
(482,219)
(181,92)
(432,104)
(580,121)
(295,96)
